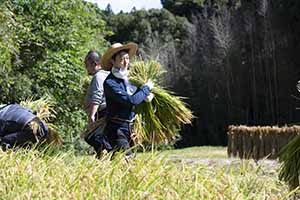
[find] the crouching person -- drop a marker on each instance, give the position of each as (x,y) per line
(20,127)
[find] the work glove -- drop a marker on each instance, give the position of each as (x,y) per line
(150,84)
(149,97)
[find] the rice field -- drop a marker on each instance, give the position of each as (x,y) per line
(33,174)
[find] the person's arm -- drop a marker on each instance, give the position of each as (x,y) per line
(92,110)
(97,97)
(97,90)
(117,92)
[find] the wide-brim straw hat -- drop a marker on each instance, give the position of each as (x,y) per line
(106,58)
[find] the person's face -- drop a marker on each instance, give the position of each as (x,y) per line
(122,60)
(91,67)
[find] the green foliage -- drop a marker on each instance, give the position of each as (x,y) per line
(122,23)
(142,26)
(191,4)
(189,8)
(8,50)
(175,4)
(42,46)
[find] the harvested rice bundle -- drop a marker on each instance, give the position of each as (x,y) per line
(290,167)
(44,110)
(159,121)
(42,107)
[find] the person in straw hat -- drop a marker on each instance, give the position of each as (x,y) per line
(20,127)
(121,96)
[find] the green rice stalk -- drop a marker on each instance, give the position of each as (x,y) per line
(290,158)
(159,121)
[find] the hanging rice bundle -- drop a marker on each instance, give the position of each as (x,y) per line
(44,110)
(159,121)
(290,158)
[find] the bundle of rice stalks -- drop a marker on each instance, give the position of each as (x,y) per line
(43,108)
(159,121)
(54,137)
(290,158)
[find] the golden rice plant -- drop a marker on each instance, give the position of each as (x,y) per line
(44,110)
(43,107)
(159,121)
(66,175)
(290,158)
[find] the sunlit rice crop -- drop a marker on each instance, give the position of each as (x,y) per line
(159,121)
(44,109)
(39,175)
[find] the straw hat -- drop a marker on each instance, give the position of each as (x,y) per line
(105,60)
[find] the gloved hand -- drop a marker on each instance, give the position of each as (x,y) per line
(149,97)
(150,84)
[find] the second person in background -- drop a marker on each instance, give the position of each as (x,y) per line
(95,105)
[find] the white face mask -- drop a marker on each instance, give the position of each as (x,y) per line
(121,73)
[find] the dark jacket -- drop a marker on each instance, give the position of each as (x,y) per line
(14,118)
(119,103)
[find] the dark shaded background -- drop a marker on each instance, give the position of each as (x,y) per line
(236,61)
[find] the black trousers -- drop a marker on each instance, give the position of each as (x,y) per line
(119,135)
(116,137)
(95,139)
(19,138)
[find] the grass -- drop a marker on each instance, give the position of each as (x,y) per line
(64,175)
(290,169)
(207,152)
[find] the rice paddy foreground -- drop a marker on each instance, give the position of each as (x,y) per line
(65,175)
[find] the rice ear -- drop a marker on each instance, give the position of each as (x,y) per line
(43,108)
(54,138)
(159,121)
